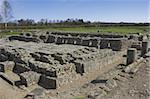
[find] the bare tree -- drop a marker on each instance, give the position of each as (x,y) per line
(1,18)
(6,12)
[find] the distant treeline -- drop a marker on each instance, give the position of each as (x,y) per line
(44,23)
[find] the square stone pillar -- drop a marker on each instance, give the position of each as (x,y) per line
(144,48)
(131,55)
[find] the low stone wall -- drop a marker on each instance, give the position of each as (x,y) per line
(88,35)
(23,38)
(61,67)
(114,43)
(129,68)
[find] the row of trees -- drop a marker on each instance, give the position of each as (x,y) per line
(6,15)
(29,23)
(25,22)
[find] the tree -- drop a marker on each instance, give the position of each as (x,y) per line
(1,18)
(6,12)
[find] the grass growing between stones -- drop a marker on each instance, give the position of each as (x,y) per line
(80,97)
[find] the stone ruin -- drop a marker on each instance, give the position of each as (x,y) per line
(51,65)
(52,60)
(114,42)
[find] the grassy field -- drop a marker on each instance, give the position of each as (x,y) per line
(108,29)
(4,34)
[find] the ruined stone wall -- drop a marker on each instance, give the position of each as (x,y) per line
(114,42)
(88,35)
(59,68)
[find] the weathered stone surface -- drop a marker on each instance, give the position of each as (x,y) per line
(116,45)
(41,58)
(51,39)
(22,38)
(85,42)
(94,43)
(104,44)
(43,38)
(60,64)
(3,58)
(136,45)
(37,93)
(62,58)
(29,78)
(48,82)
(130,68)
(6,78)
(7,66)
(77,41)
(27,34)
(131,55)
(114,42)
(60,41)
(2,68)
(145,45)
(20,68)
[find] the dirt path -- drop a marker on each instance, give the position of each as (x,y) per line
(8,92)
(136,88)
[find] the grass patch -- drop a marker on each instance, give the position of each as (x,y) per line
(109,29)
(99,29)
(79,97)
(4,34)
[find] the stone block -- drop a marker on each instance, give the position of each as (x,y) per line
(51,39)
(29,78)
(84,35)
(2,68)
(48,82)
(93,43)
(136,45)
(85,66)
(79,68)
(131,55)
(23,38)
(104,44)
(3,57)
(70,41)
(37,93)
(7,66)
(77,41)
(43,38)
(41,58)
(42,68)
(116,45)
(145,49)
(60,40)
(86,42)
(20,68)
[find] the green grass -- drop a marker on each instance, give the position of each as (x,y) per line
(4,34)
(79,97)
(106,29)
(109,29)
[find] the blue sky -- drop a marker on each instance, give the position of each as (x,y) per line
(93,10)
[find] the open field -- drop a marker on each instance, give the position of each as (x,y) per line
(103,29)
(108,29)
